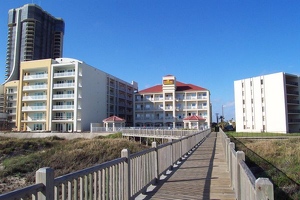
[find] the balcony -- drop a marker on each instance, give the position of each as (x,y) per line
(34,97)
(63,85)
(291,101)
(69,118)
(202,97)
(35,87)
(290,92)
(33,108)
(34,119)
(64,74)
(63,107)
(190,98)
(63,96)
(292,83)
(295,111)
(36,77)
(168,98)
(158,98)
(168,107)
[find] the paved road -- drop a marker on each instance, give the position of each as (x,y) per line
(201,175)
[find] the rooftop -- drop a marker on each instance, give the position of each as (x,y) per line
(180,87)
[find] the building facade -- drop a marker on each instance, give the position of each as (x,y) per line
(66,95)
(168,104)
(268,103)
(32,34)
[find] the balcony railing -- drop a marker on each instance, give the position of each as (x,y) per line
(63,107)
(293,101)
(291,83)
(36,76)
(33,108)
(63,118)
(59,96)
(35,87)
(34,97)
(34,119)
(60,85)
(293,92)
(169,98)
(64,74)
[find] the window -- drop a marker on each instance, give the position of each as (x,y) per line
(261,81)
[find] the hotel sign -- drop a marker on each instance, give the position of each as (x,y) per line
(169,82)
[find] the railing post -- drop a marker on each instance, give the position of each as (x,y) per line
(264,189)
(127,174)
(156,168)
(46,176)
(240,155)
(171,153)
(180,150)
(231,146)
(227,152)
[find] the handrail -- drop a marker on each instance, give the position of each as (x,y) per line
(121,178)
(244,183)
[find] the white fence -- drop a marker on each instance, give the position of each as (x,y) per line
(244,183)
(122,178)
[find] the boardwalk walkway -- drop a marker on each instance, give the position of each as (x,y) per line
(202,175)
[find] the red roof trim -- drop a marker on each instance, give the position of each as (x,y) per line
(113,119)
(180,87)
(194,118)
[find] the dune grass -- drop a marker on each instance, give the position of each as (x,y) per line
(23,157)
(277,159)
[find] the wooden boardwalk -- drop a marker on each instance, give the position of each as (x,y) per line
(201,175)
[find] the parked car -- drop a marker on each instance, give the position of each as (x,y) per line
(228,128)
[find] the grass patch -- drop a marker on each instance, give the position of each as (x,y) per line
(263,134)
(23,157)
(276,159)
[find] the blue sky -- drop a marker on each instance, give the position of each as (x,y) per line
(208,43)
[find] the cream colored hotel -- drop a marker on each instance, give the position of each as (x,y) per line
(65,95)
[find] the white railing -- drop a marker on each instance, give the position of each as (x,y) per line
(60,85)
(37,76)
(30,108)
(64,74)
(35,97)
(122,178)
(57,96)
(34,87)
(63,106)
(244,183)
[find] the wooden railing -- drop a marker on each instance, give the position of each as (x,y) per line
(157,133)
(122,178)
(244,183)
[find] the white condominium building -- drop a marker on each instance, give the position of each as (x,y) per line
(66,95)
(167,105)
(268,103)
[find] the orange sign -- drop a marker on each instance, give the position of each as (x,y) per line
(169,82)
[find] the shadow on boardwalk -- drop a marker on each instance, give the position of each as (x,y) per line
(194,176)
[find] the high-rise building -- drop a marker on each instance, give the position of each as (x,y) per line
(173,104)
(268,103)
(32,34)
(65,95)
